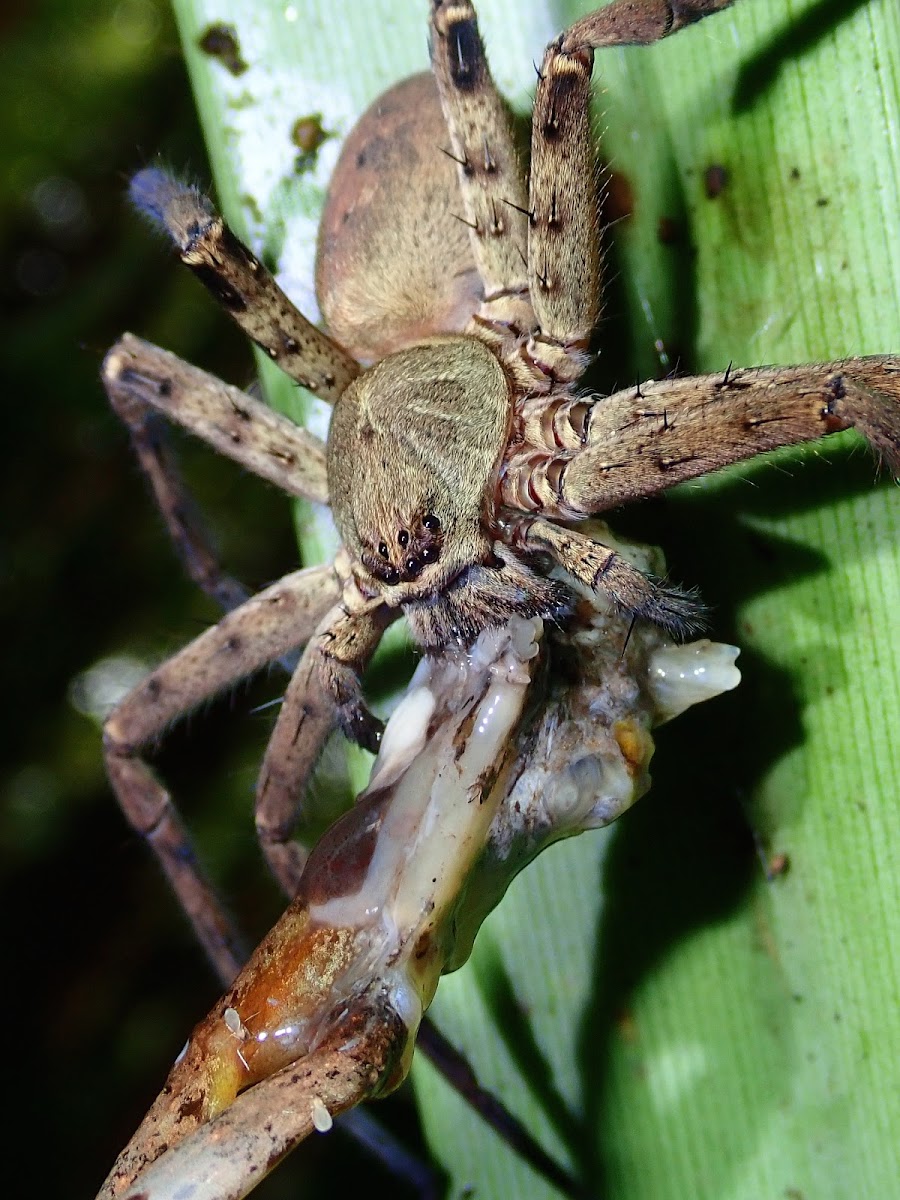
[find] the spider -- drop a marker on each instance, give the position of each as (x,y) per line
(463,454)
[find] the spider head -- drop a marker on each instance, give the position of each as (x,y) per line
(413,454)
(414,451)
(416,543)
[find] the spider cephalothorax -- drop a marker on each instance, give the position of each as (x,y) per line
(414,458)
(460,294)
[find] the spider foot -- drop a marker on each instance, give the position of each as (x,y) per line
(360,725)
(345,646)
(174,207)
(679,611)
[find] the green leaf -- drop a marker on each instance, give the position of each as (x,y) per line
(664,1018)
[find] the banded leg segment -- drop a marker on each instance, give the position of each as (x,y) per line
(242,285)
(491,178)
(602,569)
(266,627)
(564,261)
(641,441)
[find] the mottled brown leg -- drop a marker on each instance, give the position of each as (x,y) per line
(564,261)
(643,440)
(325,692)
(636,22)
(564,266)
(242,285)
(176,505)
(139,376)
(602,569)
(277,620)
(491,179)
(305,720)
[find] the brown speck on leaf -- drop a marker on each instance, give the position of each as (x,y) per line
(822,202)
(795,173)
(779,864)
(308,134)
(668,232)
(220,41)
(626,1026)
(715,180)
(618,202)
(773,865)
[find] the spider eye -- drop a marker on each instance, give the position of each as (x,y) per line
(403,538)
(382,550)
(431,523)
(392,576)
(429,554)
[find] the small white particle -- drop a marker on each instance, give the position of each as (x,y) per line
(233,1021)
(321,1117)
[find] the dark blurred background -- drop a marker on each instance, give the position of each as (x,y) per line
(103,978)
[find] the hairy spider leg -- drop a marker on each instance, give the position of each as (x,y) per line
(261,630)
(482,143)
(242,285)
(638,442)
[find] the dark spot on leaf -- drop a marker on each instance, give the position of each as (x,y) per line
(308,135)
(715,180)
(668,232)
(618,198)
(220,41)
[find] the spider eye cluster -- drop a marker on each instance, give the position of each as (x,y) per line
(420,545)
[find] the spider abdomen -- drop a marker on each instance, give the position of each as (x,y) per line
(394,264)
